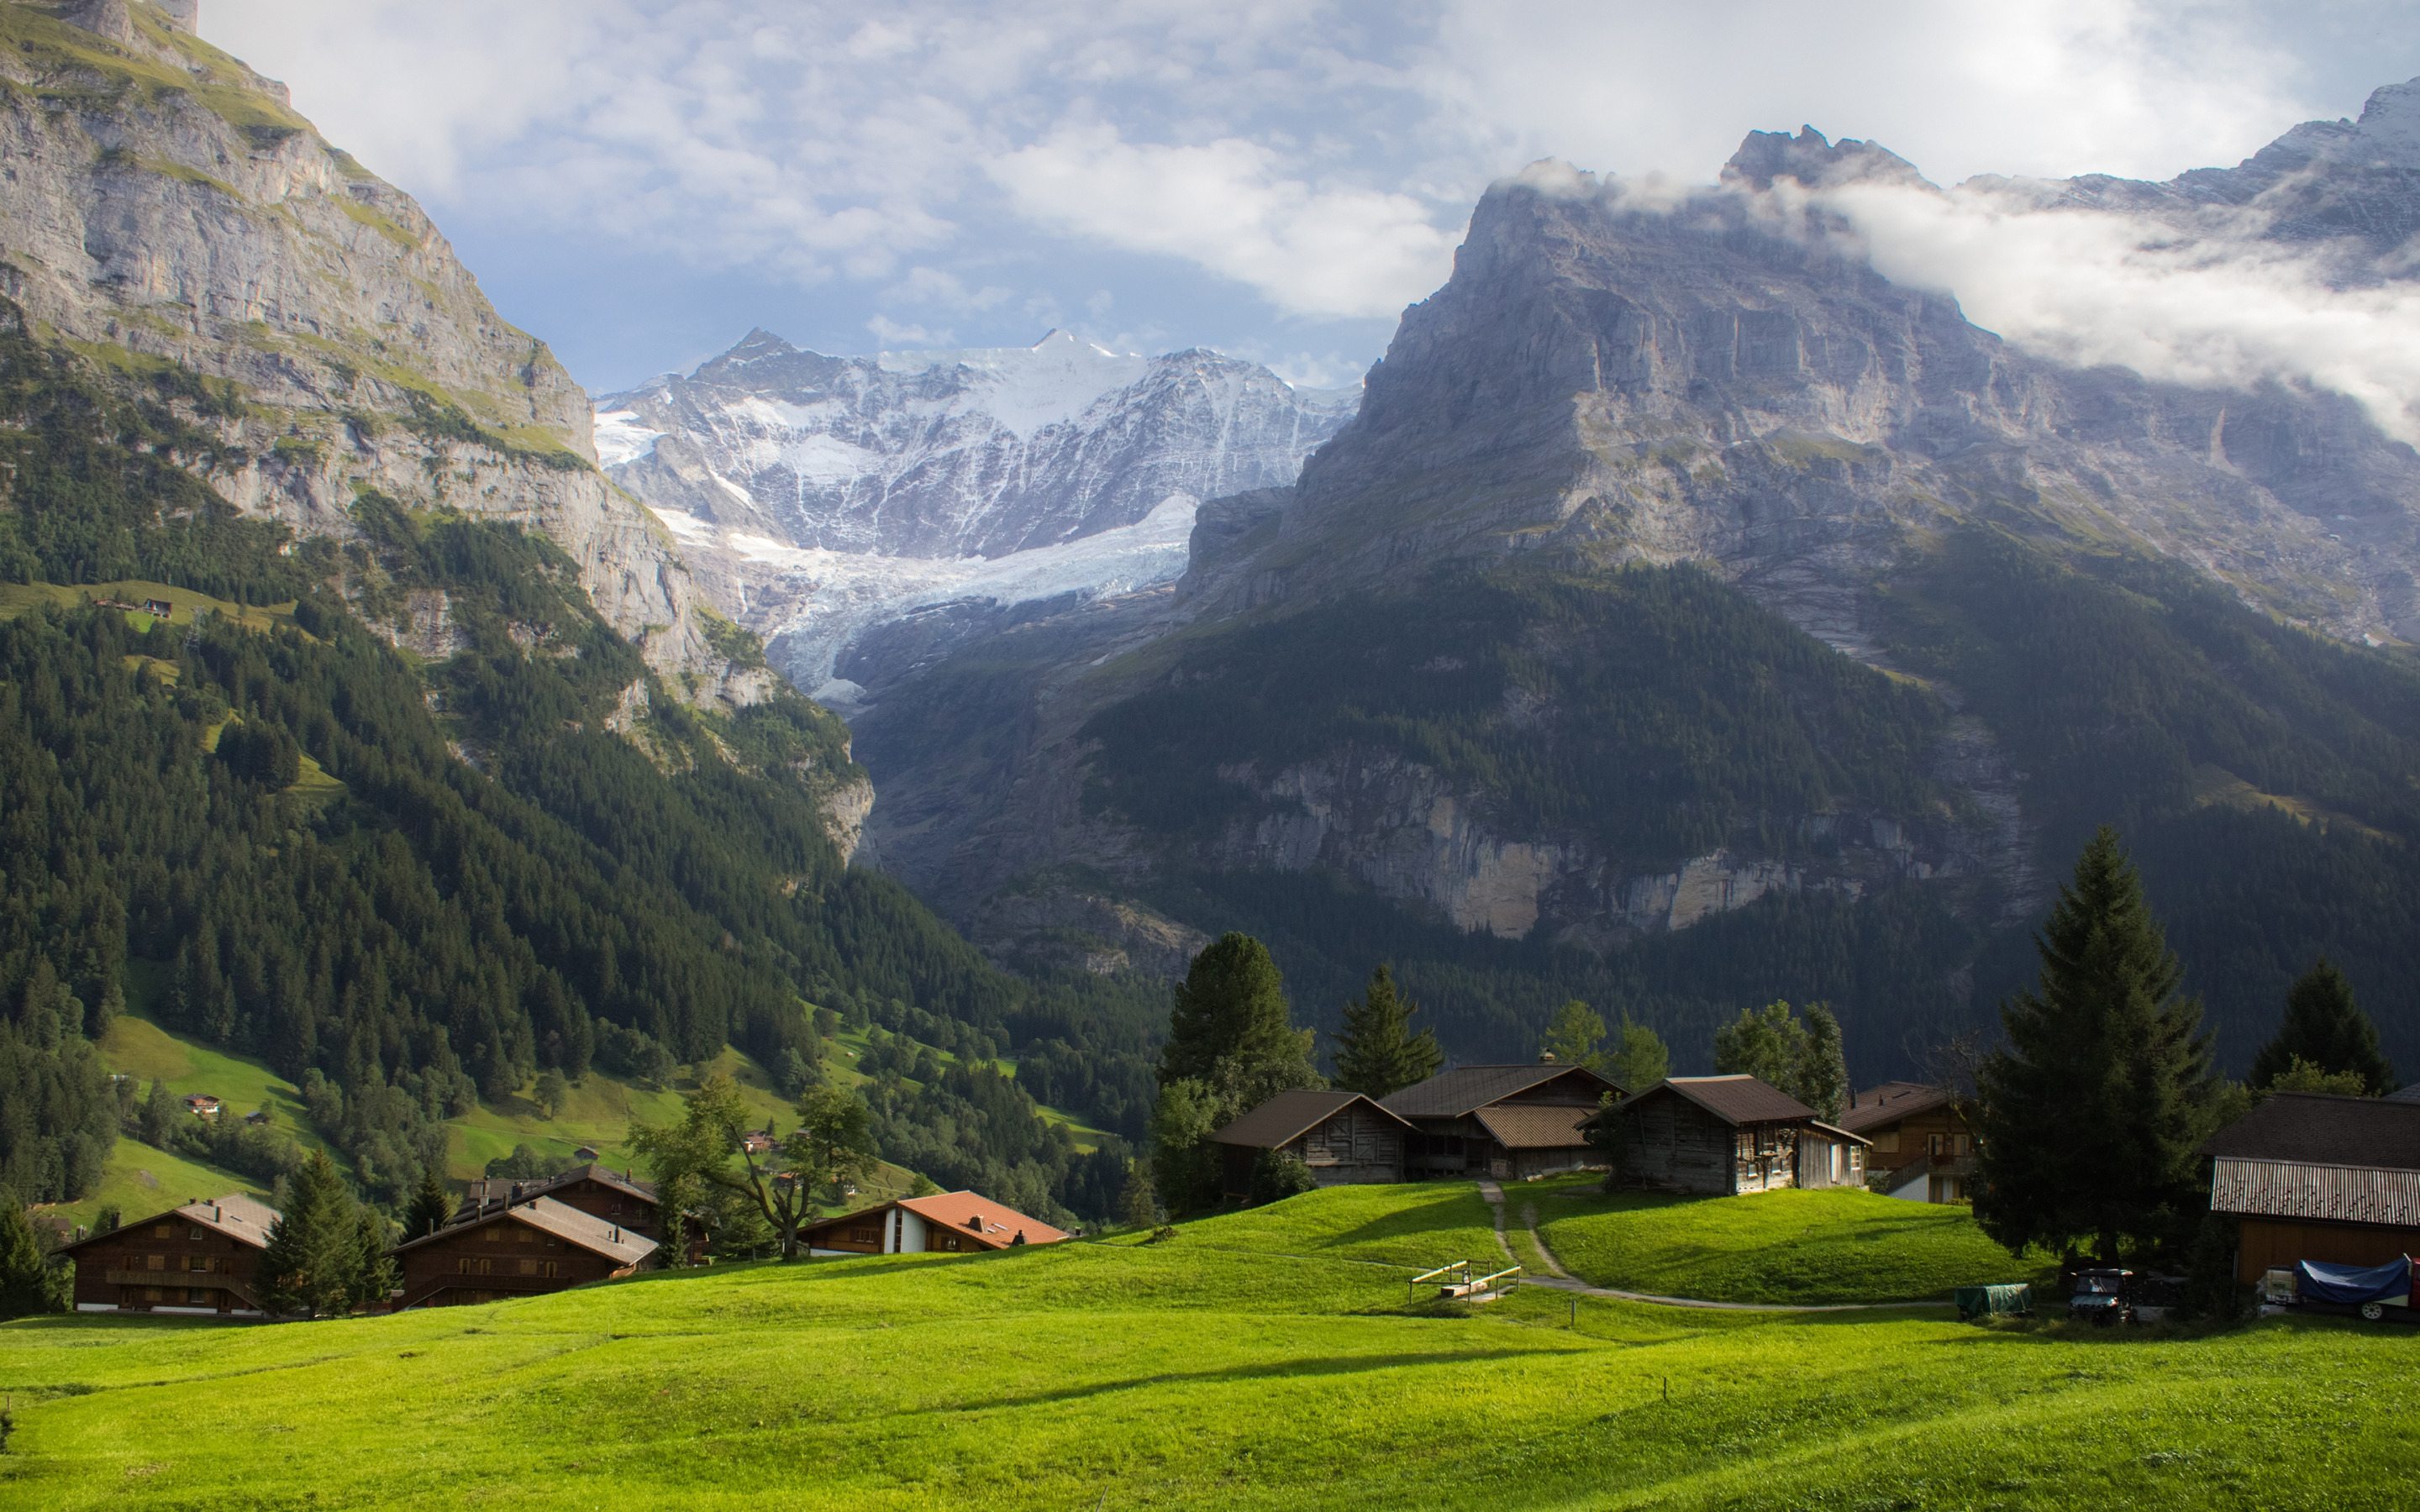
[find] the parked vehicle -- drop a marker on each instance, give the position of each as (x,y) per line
(2379,1293)
(2103,1297)
(2154,1296)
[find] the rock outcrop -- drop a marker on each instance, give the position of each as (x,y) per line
(166,210)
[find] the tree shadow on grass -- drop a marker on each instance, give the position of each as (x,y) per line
(1333,1366)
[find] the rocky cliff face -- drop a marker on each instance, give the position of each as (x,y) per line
(1726,381)
(166,210)
(823,496)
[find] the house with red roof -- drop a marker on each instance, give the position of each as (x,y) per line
(951,1223)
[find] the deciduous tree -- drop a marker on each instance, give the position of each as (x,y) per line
(1638,1059)
(707,1154)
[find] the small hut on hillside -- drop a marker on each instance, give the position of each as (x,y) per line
(1344,1137)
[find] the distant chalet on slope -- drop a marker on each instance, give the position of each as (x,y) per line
(2313,1176)
(601,1193)
(1344,1137)
(521,1249)
(1917,1136)
(197,1259)
(1505,1121)
(961,1223)
(1731,1135)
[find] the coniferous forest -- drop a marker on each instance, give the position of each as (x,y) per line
(404,887)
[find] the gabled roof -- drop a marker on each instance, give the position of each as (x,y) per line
(1288,1116)
(1536,1126)
(1450,1094)
(237,1216)
(490,1192)
(2320,1129)
(1736,1099)
(1891,1102)
(981,1218)
(2335,1194)
(597,1236)
(968,1214)
(1835,1131)
(2409,1094)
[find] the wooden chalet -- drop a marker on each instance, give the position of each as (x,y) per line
(200,1258)
(2313,1176)
(956,1222)
(527,1248)
(1505,1121)
(611,1196)
(1344,1137)
(1731,1135)
(1918,1137)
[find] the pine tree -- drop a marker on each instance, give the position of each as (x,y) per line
(1822,1074)
(1377,1053)
(159,1116)
(429,1208)
(1138,1204)
(2324,1027)
(312,1264)
(374,1276)
(1230,1007)
(26,1282)
(553,1093)
(2090,1115)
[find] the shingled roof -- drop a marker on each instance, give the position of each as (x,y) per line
(1288,1116)
(598,1236)
(1450,1094)
(489,1193)
(237,1216)
(2320,1129)
(1536,1125)
(1736,1099)
(1891,1102)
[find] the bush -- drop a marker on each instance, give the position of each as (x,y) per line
(1277,1175)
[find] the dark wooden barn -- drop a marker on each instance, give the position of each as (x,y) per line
(1731,1135)
(1344,1138)
(1505,1121)
(530,1247)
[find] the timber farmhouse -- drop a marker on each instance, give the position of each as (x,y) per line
(1729,1137)
(201,1258)
(515,1250)
(1919,1140)
(1344,1137)
(2313,1176)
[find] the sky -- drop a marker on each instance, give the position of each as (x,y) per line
(639,182)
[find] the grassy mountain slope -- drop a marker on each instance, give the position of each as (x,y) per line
(1266,1360)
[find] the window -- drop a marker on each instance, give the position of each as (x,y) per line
(161,1231)
(865,1236)
(155,1262)
(151,1294)
(198,1262)
(198,1297)
(474,1265)
(194,1234)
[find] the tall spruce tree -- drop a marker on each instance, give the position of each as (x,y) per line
(1377,1051)
(2325,1028)
(1231,1045)
(430,1207)
(2090,1113)
(312,1264)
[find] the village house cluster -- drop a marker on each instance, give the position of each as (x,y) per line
(506,1239)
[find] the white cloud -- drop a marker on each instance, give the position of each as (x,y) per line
(2214,309)
(892,335)
(1231,205)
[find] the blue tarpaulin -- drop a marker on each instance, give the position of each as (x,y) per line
(2391,1282)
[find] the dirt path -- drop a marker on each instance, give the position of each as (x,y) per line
(1563,1280)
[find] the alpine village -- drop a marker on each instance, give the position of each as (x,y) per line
(1716,887)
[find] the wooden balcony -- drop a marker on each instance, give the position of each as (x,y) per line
(208,1280)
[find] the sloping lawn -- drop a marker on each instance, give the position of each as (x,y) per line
(1183,1374)
(1831,1246)
(1418,1226)
(139,1180)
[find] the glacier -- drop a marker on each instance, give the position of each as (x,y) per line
(818,498)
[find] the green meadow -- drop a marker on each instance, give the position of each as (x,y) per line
(1264,1359)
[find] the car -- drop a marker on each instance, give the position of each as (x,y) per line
(2102,1297)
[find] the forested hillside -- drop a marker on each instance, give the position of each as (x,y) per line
(416,883)
(2263,775)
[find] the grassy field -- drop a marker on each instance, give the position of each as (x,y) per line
(1263,1360)
(1803,1248)
(140,1181)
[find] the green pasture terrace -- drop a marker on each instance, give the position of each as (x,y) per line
(1273,1358)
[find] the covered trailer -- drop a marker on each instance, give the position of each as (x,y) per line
(2378,1292)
